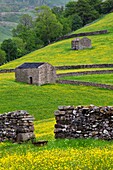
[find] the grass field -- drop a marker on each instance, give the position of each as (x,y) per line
(42,101)
(59,154)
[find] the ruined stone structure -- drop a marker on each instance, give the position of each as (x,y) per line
(79,44)
(16,126)
(36,73)
(84,122)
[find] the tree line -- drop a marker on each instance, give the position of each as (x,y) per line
(49,24)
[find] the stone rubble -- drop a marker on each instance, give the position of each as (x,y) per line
(16,126)
(84,122)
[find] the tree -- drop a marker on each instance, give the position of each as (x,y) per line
(70,8)
(58,11)
(10,48)
(20,46)
(20,31)
(26,20)
(48,28)
(86,11)
(96,4)
(2,57)
(66,23)
(33,41)
(28,37)
(107,6)
(25,31)
(24,25)
(76,22)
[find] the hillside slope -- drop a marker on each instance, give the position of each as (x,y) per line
(10,11)
(60,53)
(5,31)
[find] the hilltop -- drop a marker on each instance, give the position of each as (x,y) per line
(60,53)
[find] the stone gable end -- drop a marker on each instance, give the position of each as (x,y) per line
(85,42)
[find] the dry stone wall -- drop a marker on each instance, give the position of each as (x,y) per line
(83,34)
(85,73)
(69,67)
(7,70)
(84,122)
(75,82)
(84,66)
(16,126)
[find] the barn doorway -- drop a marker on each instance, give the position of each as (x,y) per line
(30,80)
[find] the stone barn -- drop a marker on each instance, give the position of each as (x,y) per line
(36,73)
(79,44)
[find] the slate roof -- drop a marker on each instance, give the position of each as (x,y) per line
(29,65)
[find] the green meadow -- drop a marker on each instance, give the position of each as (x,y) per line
(42,101)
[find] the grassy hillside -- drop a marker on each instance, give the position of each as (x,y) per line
(28,3)
(42,101)
(12,10)
(60,53)
(5,33)
(103,23)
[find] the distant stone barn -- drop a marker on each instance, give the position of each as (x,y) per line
(79,44)
(36,73)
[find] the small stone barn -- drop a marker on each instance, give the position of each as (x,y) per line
(79,44)
(36,73)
